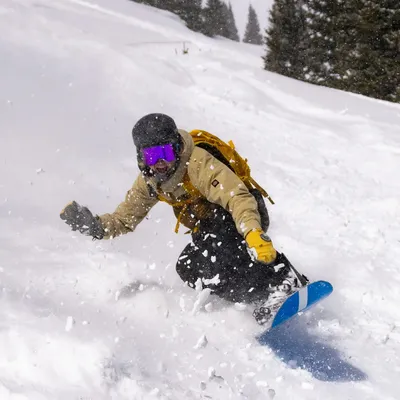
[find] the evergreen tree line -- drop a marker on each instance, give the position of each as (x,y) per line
(215,19)
(352,45)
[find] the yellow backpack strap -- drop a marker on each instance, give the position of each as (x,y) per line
(247,177)
(193,192)
(262,191)
(178,220)
(168,201)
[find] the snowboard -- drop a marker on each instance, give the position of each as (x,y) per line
(300,301)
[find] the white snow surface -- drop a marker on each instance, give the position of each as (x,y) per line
(83,319)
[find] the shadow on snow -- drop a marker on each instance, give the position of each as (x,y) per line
(295,346)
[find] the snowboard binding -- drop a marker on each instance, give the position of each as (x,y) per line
(278,294)
(276,298)
(262,315)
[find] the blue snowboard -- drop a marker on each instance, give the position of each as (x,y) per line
(301,300)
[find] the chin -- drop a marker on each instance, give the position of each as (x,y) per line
(162,177)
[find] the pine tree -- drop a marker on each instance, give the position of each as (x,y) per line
(332,40)
(189,11)
(344,33)
(225,29)
(215,22)
(286,39)
(375,64)
(193,15)
(252,33)
(352,45)
(154,3)
(322,32)
(233,33)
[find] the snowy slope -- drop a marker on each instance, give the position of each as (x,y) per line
(74,77)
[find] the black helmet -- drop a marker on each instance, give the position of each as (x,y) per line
(154,129)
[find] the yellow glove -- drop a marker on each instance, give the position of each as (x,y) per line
(261,246)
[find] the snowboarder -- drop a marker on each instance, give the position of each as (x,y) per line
(225,218)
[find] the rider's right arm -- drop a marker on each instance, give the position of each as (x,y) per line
(130,212)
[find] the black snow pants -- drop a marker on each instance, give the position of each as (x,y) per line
(217,248)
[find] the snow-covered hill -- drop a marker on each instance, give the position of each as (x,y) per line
(74,77)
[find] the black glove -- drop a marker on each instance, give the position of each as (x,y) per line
(81,219)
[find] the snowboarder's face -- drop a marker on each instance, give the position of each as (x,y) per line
(162,167)
(161,160)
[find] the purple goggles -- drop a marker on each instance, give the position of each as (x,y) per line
(152,154)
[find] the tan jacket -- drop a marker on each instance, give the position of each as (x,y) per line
(216,185)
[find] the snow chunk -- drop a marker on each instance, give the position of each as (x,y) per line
(198,285)
(155,392)
(212,281)
(240,306)
(152,266)
(201,343)
(307,386)
(211,372)
(212,375)
(69,324)
(182,304)
(201,300)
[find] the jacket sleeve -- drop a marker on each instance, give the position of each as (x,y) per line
(222,186)
(130,212)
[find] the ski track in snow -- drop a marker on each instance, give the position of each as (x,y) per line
(111,320)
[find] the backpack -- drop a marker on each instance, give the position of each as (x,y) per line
(226,153)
